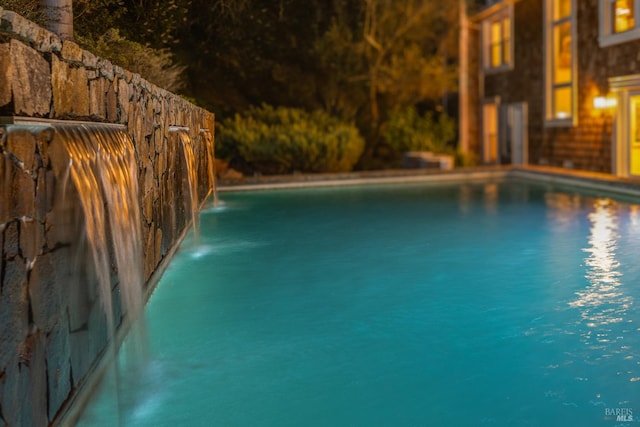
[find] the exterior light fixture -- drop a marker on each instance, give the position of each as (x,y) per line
(604,102)
(623,11)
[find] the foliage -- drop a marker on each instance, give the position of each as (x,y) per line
(406,130)
(466,159)
(30,9)
(340,58)
(92,18)
(357,60)
(156,23)
(284,140)
(155,65)
(94,24)
(398,52)
(246,52)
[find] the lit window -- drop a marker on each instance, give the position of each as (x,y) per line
(623,16)
(618,22)
(560,60)
(561,9)
(496,44)
(497,36)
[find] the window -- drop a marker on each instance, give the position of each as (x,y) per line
(618,21)
(622,15)
(560,55)
(497,36)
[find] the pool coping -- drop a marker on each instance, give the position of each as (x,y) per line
(586,180)
(392,176)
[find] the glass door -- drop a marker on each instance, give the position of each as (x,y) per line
(490,132)
(517,133)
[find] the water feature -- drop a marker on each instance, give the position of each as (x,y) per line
(491,304)
(181,134)
(211,169)
(101,164)
(105,174)
(104,171)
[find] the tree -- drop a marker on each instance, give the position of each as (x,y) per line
(394,55)
(93,18)
(245,52)
(60,17)
(404,51)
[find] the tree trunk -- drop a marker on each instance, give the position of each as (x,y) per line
(60,17)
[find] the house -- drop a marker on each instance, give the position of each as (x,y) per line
(552,82)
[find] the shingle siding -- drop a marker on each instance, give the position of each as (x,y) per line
(588,145)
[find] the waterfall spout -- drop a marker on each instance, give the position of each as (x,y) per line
(104,172)
(211,169)
(182,135)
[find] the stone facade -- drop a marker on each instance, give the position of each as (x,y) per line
(588,144)
(52,328)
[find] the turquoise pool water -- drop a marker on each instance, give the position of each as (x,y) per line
(505,304)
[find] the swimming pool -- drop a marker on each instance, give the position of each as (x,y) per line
(500,304)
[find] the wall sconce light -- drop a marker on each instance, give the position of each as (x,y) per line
(604,102)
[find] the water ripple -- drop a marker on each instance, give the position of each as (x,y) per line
(602,302)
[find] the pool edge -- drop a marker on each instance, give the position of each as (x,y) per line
(359,179)
(543,174)
(583,180)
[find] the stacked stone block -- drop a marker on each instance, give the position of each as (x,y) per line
(52,329)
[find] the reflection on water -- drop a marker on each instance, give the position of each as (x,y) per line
(465,198)
(634,216)
(468,195)
(491,197)
(605,309)
(564,209)
(633,227)
(602,302)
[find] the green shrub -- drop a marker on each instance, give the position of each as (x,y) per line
(284,140)
(406,130)
(466,159)
(155,65)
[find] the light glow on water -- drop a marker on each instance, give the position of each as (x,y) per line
(500,304)
(602,266)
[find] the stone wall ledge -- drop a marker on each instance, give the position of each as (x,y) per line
(21,28)
(49,80)
(70,62)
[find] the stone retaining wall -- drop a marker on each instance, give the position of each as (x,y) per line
(52,329)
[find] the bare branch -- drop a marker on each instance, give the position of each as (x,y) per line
(373,42)
(404,29)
